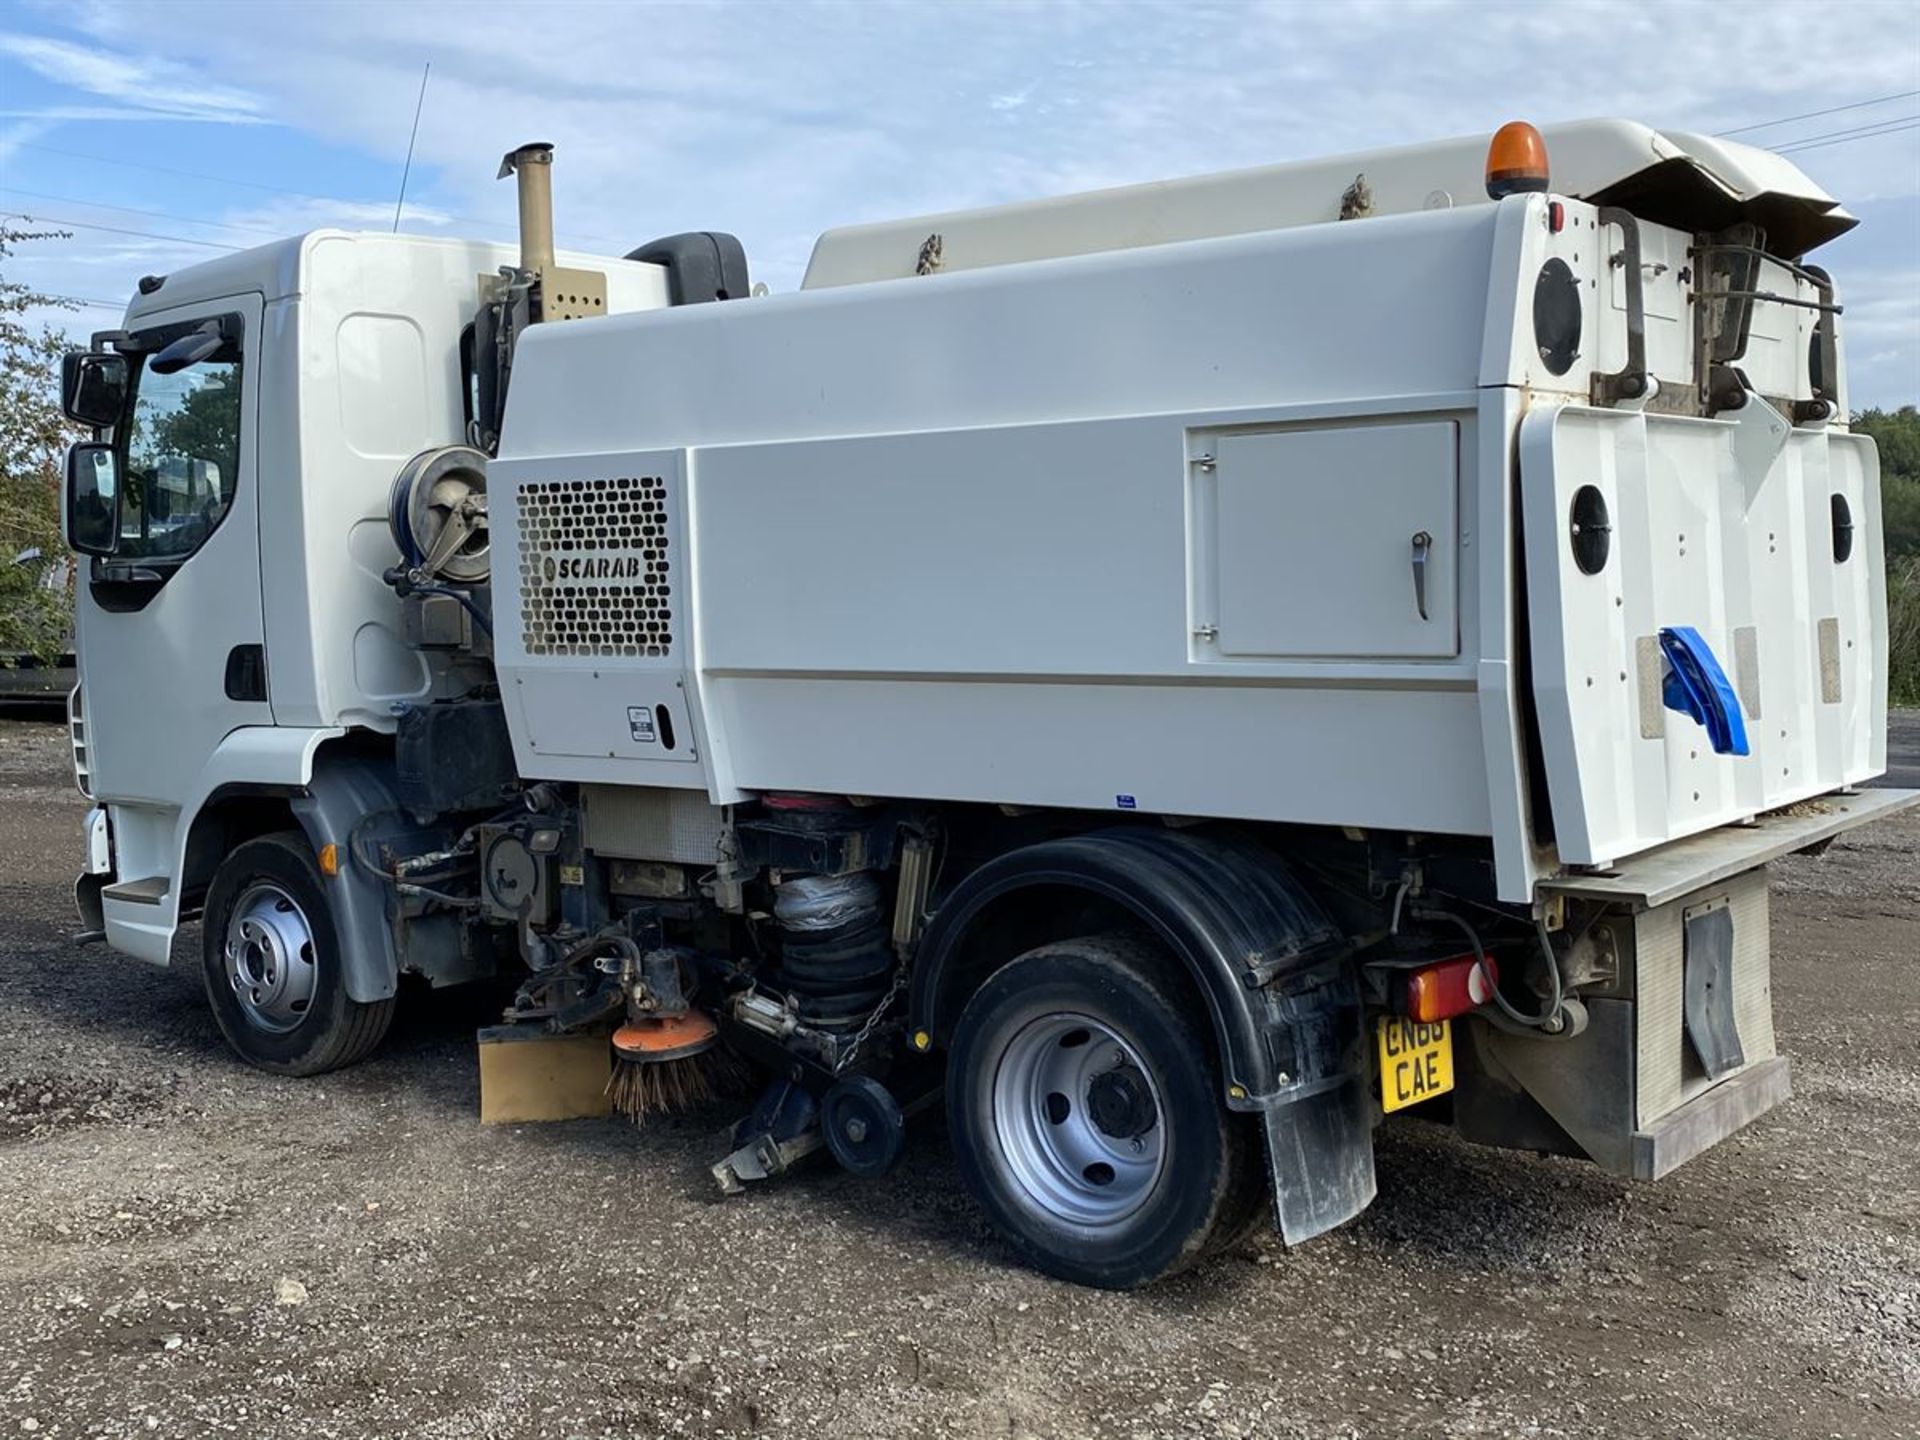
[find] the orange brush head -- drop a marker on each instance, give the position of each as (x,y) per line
(669,1063)
(669,1038)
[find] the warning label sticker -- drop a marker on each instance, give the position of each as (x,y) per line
(640,724)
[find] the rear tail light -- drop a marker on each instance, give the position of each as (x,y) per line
(1450,987)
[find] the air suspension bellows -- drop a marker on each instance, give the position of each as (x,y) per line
(836,961)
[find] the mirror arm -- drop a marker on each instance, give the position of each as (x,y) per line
(121,572)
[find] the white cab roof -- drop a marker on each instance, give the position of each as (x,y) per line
(279,268)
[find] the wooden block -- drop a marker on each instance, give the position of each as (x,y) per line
(526,1075)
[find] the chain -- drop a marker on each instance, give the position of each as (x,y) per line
(865,1032)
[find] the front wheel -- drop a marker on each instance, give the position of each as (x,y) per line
(1084,1104)
(272,962)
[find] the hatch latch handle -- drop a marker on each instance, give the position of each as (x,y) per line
(1630,381)
(1422,549)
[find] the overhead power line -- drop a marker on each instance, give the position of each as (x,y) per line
(43,219)
(132,210)
(88,304)
(1816,114)
(1892,128)
(1844,134)
(167,170)
(613,245)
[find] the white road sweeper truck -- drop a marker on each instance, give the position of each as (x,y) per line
(1174,674)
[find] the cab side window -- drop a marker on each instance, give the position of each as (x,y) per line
(183,452)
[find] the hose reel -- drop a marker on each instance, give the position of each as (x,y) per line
(437,511)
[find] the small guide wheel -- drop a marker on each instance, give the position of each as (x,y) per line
(863,1126)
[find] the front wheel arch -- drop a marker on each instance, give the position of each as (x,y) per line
(231,816)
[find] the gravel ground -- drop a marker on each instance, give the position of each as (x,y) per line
(188,1247)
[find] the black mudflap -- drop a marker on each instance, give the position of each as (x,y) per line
(1319,1123)
(1708,989)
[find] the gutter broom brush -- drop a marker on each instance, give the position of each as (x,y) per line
(669,1063)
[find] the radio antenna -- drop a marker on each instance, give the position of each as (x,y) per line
(414,135)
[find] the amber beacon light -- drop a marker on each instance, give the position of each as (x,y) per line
(1516,161)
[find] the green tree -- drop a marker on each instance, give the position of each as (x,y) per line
(207,424)
(1897,433)
(36,595)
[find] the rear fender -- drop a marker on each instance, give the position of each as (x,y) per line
(1270,966)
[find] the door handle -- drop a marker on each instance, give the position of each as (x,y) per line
(1422,548)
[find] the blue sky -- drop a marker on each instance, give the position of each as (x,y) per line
(210,125)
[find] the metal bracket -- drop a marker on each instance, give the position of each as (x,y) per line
(1726,267)
(462,522)
(762,1158)
(1760,432)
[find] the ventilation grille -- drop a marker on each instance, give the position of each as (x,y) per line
(77,733)
(593,567)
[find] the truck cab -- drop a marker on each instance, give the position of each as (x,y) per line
(212,675)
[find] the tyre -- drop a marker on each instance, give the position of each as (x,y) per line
(273,966)
(1084,1102)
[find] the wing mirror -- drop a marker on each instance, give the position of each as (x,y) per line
(92,512)
(189,349)
(93,387)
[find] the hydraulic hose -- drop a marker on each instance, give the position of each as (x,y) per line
(365,862)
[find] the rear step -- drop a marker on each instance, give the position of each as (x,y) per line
(1669,871)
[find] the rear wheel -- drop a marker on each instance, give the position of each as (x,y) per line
(1084,1103)
(273,966)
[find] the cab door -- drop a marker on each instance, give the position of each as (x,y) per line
(170,636)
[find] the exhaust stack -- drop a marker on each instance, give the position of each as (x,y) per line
(537,290)
(532,168)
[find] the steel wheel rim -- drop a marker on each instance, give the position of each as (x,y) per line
(269,955)
(1055,1085)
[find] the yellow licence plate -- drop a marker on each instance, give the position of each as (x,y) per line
(1416,1060)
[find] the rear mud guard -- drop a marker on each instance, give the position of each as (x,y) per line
(1319,1124)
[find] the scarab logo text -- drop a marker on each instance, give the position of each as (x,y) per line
(591,567)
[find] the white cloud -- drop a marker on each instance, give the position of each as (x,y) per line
(297,213)
(144,84)
(777,122)
(21,132)
(50,115)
